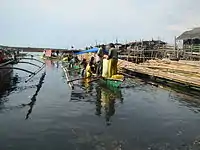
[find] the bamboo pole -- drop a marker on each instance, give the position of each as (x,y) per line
(83,79)
(180,73)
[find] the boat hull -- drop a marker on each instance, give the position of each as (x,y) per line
(5,76)
(4,72)
(111,82)
(51,58)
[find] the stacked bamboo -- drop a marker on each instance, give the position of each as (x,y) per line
(186,73)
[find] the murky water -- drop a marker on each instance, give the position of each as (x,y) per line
(46,114)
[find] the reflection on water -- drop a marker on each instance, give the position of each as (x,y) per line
(49,63)
(8,84)
(57,64)
(33,99)
(106,99)
(190,101)
(103,97)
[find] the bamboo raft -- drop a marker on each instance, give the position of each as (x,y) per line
(183,73)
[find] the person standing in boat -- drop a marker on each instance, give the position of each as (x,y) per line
(57,52)
(90,69)
(84,65)
(99,60)
(72,61)
(44,52)
(69,57)
(112,60)
(76,60)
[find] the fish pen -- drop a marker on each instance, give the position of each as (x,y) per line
(138,52)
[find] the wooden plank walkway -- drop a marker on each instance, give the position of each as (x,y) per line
(187,74)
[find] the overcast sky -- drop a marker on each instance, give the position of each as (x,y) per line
(62,23)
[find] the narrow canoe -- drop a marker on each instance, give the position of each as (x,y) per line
(51,58)
(111,82)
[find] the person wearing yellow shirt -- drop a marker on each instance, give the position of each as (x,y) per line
(90,69)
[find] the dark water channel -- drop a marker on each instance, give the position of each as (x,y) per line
(45,114)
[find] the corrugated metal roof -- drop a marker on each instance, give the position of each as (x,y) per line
(192,34)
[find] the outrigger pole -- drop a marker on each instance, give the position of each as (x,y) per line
(17,69)
(33,59)
(8,62)
(32,74)
(29,63)
(36,72)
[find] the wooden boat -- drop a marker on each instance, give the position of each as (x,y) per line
(73,67)
(115,81)
(6,79)
(48,54)
(51,57)
(5,62)
(21,54)
(5,72)
(111,82)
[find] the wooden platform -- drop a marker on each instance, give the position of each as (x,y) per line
(185,73)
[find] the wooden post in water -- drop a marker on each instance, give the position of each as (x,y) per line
(96,42)
(143,52)
(176,48)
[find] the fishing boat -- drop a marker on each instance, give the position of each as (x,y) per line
(4,72)
(49,54)
(114,81)
(8,59)
(5,62)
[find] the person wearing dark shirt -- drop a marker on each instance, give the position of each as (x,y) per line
(99,60)
(92,65)
(84,65)
(113,60)
(57,52)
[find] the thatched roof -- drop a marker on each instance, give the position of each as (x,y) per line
(192,34)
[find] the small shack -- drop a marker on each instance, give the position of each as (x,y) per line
(191,40)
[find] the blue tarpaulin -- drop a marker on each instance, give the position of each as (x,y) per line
(93,50)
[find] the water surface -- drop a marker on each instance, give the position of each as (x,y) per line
(46,114)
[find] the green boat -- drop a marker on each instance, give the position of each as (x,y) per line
(51,58)
(111,82)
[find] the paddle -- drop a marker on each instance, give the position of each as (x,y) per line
(127,75)
(83,78)
(95,79)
